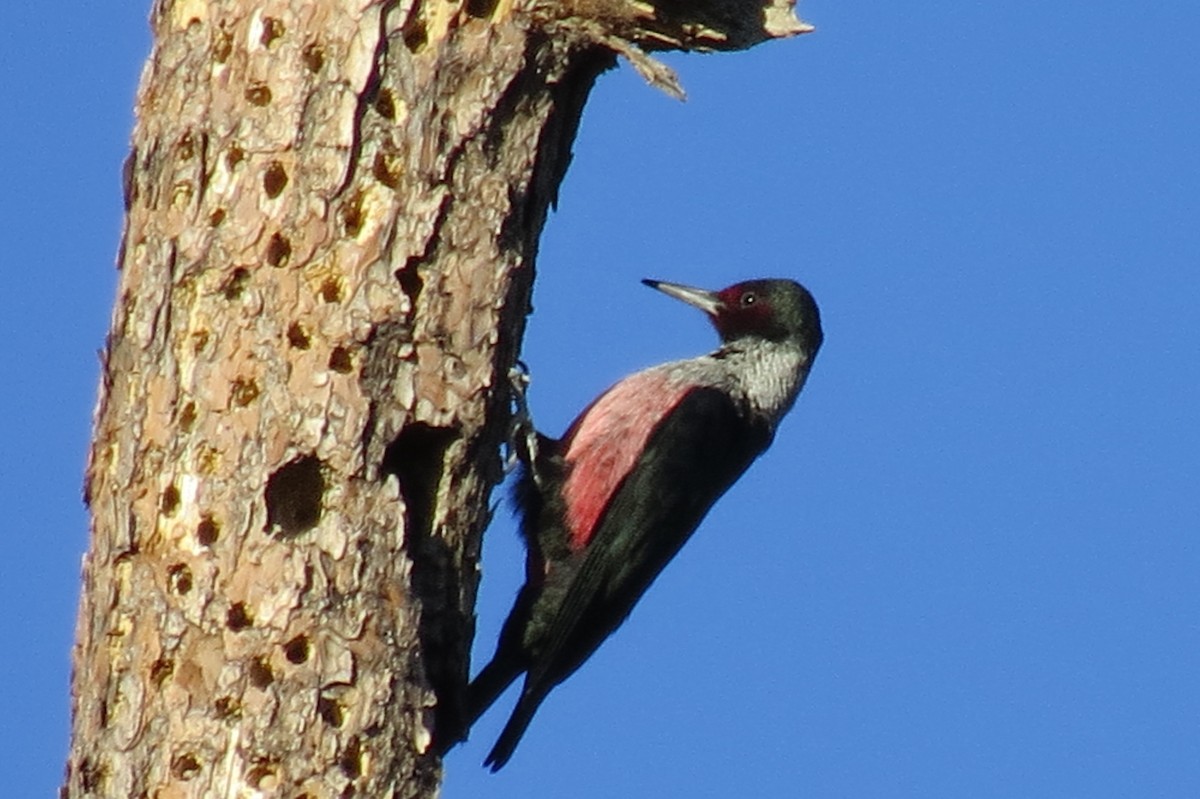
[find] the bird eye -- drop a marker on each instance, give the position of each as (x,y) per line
(749,298)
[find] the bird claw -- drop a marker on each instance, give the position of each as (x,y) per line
(522,442)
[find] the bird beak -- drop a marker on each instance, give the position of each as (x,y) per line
(707,301)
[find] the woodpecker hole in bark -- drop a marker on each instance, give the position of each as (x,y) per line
(330,711)
(179,578)
(386,170)
(244,391)
(297,337)
(385,104)
(294,497)
(185,767)
(296,650)
(207,531)
(161,670)
(258,94)
(272,29)
(238,618)
(352,215)
(340,361)
(331,290)
(227,708)
(416,35)
(170,500)
(235,283)
(275,179)
(351,759)
(482,9)
(279,250)
(260,674)
(313,57)
(410,279)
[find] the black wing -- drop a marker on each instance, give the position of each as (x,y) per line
(698,450)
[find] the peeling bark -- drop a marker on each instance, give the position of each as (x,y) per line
(333,211)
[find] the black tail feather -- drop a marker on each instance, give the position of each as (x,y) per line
(527,705)
(481,693)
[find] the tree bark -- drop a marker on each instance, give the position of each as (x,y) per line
(333,211)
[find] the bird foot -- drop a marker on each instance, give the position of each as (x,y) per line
(522,442)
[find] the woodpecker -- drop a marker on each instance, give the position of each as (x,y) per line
(606,507)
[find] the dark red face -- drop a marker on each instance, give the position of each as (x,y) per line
(746,308)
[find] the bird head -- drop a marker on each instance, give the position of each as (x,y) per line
(771,309)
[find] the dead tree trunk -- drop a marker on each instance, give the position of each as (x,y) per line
(333,210)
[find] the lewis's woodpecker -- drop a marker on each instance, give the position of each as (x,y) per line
(606,507)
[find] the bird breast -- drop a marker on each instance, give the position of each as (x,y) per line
(603,445)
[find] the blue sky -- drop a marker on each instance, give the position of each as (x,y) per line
(968,566)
